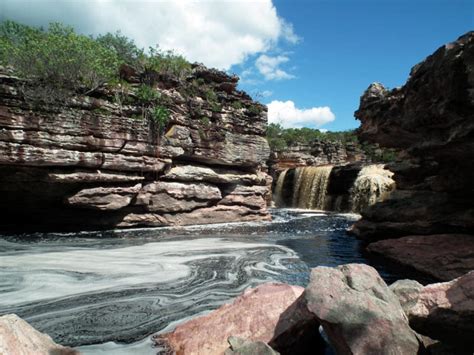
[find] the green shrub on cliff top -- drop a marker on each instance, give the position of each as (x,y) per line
(57,61)
(56,58)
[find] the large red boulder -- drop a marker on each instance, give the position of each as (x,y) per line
(265,313)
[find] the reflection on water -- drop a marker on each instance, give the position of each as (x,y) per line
(116,288)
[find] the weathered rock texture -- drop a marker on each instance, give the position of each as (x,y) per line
(358,311)
(443,311)
(316,153)
(443,256)
(270,313)
(95,162)
(431,119)
(17,337)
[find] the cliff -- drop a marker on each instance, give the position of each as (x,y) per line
(431,119)
(316,153)
(96,161)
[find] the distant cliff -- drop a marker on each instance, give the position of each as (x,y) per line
(102,161)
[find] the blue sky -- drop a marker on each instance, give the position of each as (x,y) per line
(346,45)
(308,60)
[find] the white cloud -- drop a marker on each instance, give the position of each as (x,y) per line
(289,116)
(267,93)
(269,67)
(219,33)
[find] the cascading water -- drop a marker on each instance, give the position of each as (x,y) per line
(351,187)
(310,187)
(373,184)
(277,196)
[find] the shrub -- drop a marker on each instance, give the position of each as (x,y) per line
(147,94)
(168,62)
(56,61)
(124,47)
(160,115)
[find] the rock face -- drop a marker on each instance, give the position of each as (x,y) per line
(17,337)
(443,311)
(317,153)
(431,119)
(443,256)
(96,161)
(358,312)
(263,314)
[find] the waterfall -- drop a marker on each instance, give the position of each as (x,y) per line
(278,196)
(373,184)
(342,188)
(311,187)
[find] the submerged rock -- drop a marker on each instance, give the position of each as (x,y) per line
(358,312)
(17,337)
(265,314)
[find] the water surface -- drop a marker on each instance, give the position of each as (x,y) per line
(106,292)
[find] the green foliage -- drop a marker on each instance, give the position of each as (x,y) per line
(147,94)
(160,115)
(168,62)
(237,105)
(205,120)
(56,60)
(124,47)
(255,109)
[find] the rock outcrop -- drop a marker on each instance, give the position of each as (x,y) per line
(270,313)
(443,311)
(443,256)
(99,161)
(431,120)
(17,337)
(316,153)
(358,312)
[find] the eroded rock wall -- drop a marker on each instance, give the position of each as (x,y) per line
(95,162)
(431,120)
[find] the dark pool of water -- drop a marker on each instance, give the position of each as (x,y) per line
(122,286)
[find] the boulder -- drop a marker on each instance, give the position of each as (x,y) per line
(239,346)
(443,311)
(17,337)
(261,314)
(358,312)
(443,256)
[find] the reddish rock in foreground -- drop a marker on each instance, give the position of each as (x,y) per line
(262,314)
(17,337)
(444,256)
(358,311)
(443,311)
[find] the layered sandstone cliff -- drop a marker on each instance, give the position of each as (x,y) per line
(95,162)
(431,119)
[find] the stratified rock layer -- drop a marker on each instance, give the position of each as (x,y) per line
(94,162)
(17,337)
(431,119)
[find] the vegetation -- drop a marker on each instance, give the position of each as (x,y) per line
(280,138)
(59,62)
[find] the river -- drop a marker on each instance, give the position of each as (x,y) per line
(107,292)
